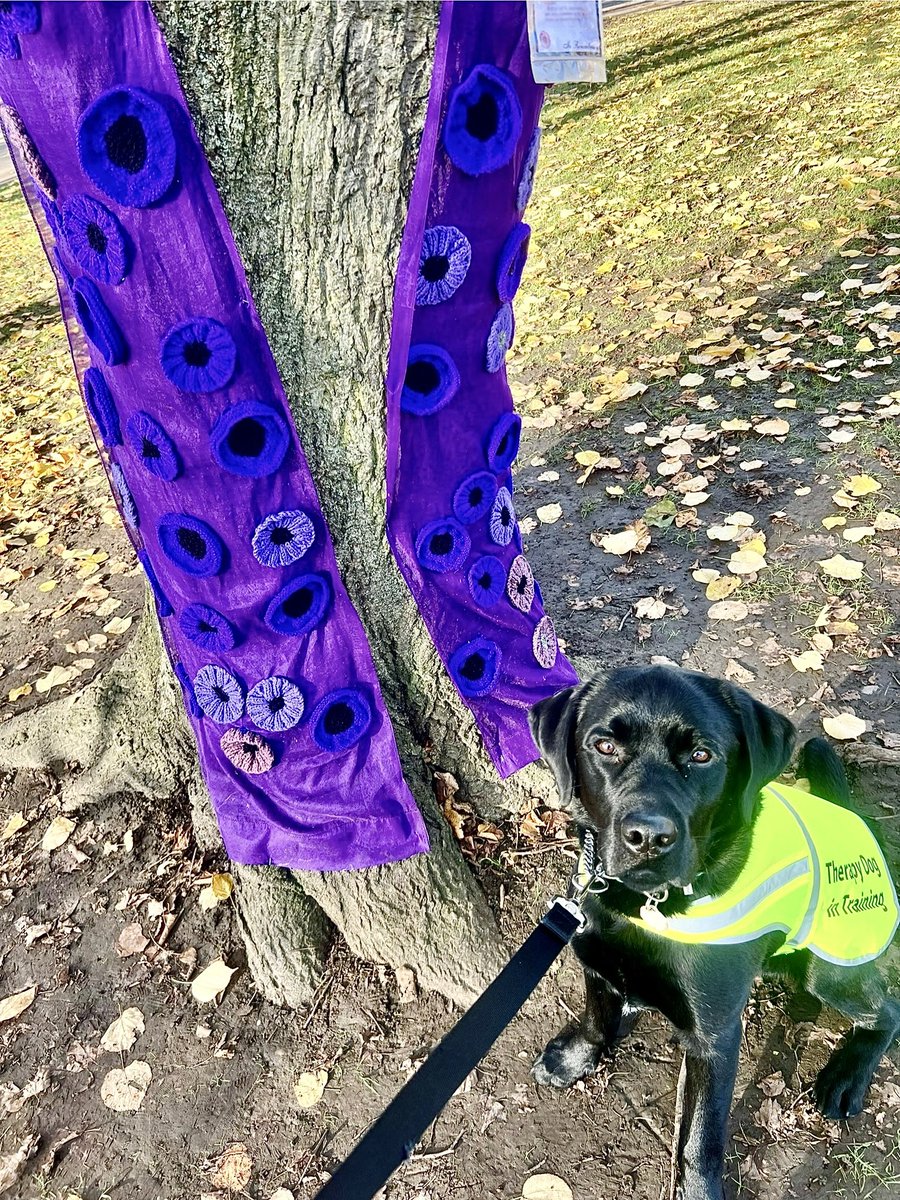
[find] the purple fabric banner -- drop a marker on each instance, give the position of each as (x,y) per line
(452,431)
(194,428)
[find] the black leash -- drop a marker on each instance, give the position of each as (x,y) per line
(393,1137)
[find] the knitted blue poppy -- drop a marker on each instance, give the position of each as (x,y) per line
(98,322)
(154,448)
(283,538)
(250,439)
(219,693)
(188,689)
(432,380)
(126,500)
(127,146)
(21,140)
(198,355)
(475,666)
(442,545)
(300,605)
(340,719)
(163,607)
(275,704)
(207,628)
(484,121)
(487,580)
(500,338)
(503,443)
(529,169)
(100,405)
(474,496)
(511,263)
(190,544)
(95,239)
(443,263)
(520,583)
(15,19)
(544,643)
(503,518)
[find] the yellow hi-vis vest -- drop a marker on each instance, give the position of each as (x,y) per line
(814,871)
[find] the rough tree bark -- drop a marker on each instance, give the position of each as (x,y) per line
(310,114)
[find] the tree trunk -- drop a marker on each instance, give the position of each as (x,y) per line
(310,114)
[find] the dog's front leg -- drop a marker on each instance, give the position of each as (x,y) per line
(710,1072)
(576,1050)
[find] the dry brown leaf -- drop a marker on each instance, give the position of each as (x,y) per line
(729,610)
(845,727)
(546,1187)
(740,674)
(809,660)
(649,608)
(11,1164)
(839,567)
(234,1168)
(310,1088)
(212,981)
(57,833)
(13,1006)
(775,427)
(123,1090)
(132,941)
(886,521)
(13,825)
(124,1031)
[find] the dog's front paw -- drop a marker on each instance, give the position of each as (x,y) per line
(566,1059)
(841,1085)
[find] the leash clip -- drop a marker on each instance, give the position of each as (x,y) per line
(564,917)
(650,910)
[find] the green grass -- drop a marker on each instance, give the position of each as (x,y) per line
(734,145)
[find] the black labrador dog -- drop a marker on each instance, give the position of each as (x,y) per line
(665,767)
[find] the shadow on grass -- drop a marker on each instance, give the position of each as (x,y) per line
(39,312)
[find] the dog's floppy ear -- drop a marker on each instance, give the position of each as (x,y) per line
(767,742)
(553,728)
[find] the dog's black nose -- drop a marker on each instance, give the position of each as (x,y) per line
(648,835)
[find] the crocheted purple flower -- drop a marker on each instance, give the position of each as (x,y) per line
(443,263)
(248,751)
(475,666)
(154,448)
(432,380)
(503,444)
(520,583)
(300,606)
(474,496)
(126,500)
(15,19)
(219,693)
(512,259)
(503,518)
(250,439)
(442,545)
(500,338)
(487,580)
(127,146)
(163,607)
(21,140)
(544,643)
(190,544)
(188,689)
(283,538)
(275,704)
(98,322)
(207,628)
(340,719)
(529,169)
(95,239)
(484,120)
(100,405)
(198,355)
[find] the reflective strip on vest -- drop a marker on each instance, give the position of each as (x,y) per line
(814,872)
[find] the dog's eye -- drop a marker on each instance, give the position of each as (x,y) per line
(701,756)
(606,746)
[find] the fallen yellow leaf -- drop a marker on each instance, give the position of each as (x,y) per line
(861,485)
(13,1006)
(833,522)
(775,427)
(719,589)
(57,833)
(729,610)
(839,567)
(212,981)
(310,1087)
(809,660)
(845,727)
(886,521)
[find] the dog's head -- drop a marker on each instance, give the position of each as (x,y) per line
(664,765)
